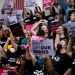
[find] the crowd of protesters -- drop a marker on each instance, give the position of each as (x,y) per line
(16,55)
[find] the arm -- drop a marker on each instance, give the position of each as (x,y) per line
(30,55)
(36,25)
(57,40)
(34,28)
(69,52)
(68,72)
(6,45)
(13,40)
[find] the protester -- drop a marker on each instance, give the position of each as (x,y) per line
(48,67)
(61,36)
(70,24)
(50,32)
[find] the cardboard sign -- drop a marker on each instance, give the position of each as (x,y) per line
(16,30)
(43,47)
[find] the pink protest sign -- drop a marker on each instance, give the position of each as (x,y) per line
(47,3)
(3,71)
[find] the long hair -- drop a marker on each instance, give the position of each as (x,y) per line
(72,44)
(41,32)
(48,66)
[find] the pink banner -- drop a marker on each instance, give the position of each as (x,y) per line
(47,3)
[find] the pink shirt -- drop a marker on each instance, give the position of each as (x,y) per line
(28,27)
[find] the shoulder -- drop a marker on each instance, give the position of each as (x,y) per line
(54,73)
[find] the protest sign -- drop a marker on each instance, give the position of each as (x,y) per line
(3,71)
(16,29)
(47,3)
(44,46)
(7,71)
(31,4)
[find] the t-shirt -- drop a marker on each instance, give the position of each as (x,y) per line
(23,41)
(28,68)
(71,27)
(73,64)
(16,54)
(62,62)
(38,68)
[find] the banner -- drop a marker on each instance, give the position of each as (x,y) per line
(43,47)
(47,3)
(19,4)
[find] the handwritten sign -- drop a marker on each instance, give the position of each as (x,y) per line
(43,47)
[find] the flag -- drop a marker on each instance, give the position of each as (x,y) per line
(19,4)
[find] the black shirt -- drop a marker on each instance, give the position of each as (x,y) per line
(73,64)
(3,41)
(28,67)
(62,63)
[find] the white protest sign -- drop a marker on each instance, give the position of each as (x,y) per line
(31,4)
(43,47)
